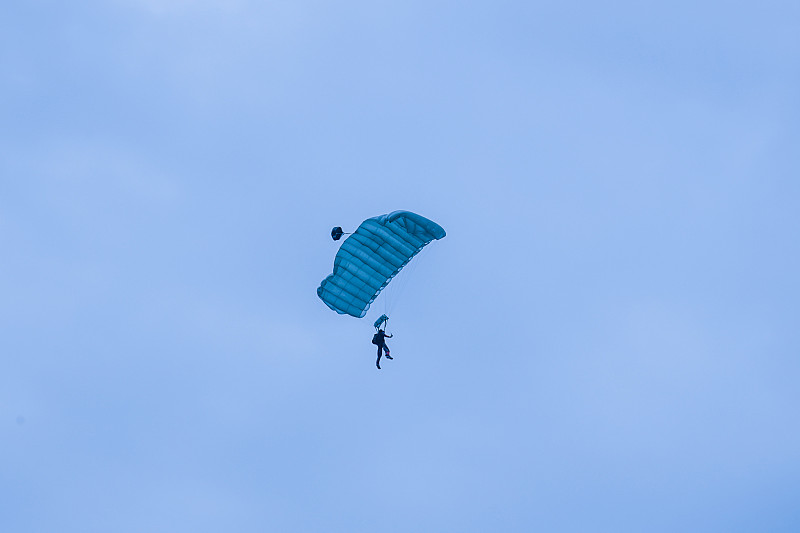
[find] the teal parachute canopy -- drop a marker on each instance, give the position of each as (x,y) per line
(370,257)
(383,319)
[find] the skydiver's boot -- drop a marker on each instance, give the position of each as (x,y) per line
(387,356)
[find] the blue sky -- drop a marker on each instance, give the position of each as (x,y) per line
(606,340)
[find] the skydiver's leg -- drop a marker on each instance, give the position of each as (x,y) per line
(387,352)
(380,352)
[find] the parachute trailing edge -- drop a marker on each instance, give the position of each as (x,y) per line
(371,256)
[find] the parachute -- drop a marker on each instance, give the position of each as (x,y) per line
(371,256)
(383,319)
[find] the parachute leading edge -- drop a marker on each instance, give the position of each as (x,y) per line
(370,257)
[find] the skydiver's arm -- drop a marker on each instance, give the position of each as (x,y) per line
(388,336)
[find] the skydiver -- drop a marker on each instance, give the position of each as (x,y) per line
(380,339)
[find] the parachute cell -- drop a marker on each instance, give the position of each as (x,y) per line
(370,257)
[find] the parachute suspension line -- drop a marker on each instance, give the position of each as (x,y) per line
(393,292)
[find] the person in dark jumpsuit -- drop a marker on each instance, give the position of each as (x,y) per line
(379,339)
